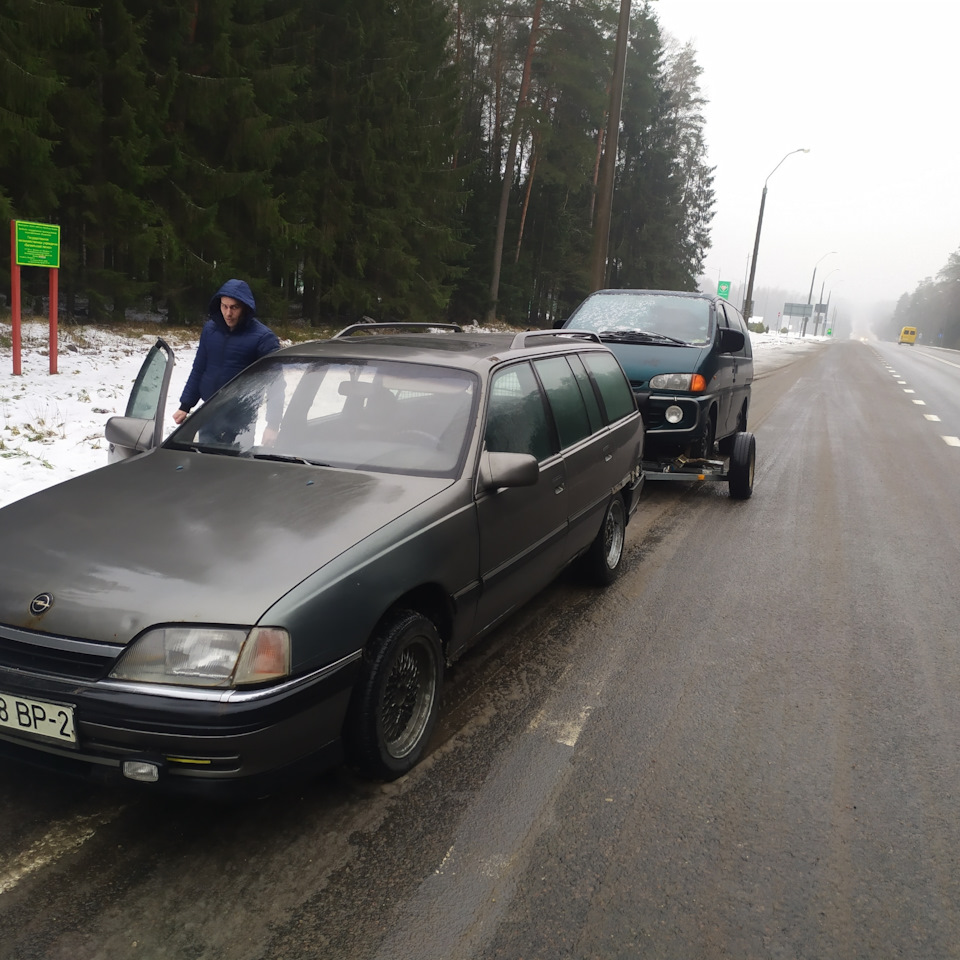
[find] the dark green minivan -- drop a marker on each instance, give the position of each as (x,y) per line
(689,362)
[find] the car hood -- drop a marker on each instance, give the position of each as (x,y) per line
(184,537)
(641,361)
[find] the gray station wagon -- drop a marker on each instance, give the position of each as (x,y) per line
(280,583)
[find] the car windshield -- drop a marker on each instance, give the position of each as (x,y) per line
(385,416)
(661,317)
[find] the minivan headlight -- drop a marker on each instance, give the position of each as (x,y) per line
(688,382)
(206,656)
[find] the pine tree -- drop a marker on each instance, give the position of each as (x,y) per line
(378,199)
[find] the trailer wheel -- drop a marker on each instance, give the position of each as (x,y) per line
(743,460)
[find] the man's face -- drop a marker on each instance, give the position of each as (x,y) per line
(232,311)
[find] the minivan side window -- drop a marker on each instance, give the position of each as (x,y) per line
(566,402)
(516,415)
(615,392)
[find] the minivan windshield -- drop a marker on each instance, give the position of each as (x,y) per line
(645,317)
(379,415)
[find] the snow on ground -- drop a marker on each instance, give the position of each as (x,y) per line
(51,425)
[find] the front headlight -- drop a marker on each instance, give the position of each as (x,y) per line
(206,656)
(688,382)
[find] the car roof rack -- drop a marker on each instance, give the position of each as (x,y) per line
(520,340)
(373,326)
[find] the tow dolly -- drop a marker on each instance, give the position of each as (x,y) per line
(736,469)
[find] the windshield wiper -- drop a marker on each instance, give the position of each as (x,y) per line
(639,336)
(289,458)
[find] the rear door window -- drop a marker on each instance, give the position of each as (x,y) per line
(588,391)
(615,393)
(566,401)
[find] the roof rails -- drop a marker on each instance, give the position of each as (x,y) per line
(520,340)
(374,327)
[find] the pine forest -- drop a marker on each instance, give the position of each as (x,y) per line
(418,160)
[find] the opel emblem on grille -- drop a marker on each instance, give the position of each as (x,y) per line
(41,603)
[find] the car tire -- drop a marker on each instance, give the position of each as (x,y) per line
(743,461)
(395,702)
(601,563)
(703,448)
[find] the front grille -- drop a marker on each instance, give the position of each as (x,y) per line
(55,656)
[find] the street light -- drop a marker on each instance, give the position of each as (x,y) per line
(748,300)
(803,326)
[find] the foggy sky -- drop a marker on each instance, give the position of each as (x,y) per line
(870,88)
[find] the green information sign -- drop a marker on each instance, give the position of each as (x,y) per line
(38,244)
(723,289)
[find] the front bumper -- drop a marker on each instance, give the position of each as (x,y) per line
(210,742)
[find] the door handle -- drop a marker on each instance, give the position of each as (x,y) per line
(558,485)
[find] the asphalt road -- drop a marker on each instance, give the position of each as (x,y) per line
(747,747)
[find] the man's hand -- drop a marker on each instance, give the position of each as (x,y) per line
(179,416)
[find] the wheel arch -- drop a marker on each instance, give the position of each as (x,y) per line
(429,600)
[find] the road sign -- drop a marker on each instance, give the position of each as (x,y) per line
(37,244)
(723,289)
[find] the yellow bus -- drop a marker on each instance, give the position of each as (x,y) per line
(908,335)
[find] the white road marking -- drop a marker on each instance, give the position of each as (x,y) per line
(951,441)
(949,363)
(60,839)
(931,416)
(566,731)
(909,391)
(920,403)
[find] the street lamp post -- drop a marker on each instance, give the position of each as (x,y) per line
(803,325)
(748,300)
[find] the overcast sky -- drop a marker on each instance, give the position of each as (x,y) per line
(871,89)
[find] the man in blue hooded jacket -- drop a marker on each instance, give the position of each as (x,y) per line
(231,339)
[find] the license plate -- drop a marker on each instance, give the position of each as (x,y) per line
(52,721)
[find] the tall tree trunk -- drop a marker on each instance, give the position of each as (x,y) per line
(511,160)
(601,225)
(526,198)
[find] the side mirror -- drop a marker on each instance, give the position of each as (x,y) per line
(731,341)
(508,470)
(128,436)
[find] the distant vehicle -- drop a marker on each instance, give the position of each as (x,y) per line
(246,603)
(908,335)
(690,364)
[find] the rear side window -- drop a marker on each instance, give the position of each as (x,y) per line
(615,392)
(566,402)
(516,416)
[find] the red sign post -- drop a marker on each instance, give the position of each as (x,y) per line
(34,245)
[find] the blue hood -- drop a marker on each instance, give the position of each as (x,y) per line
(239,290)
